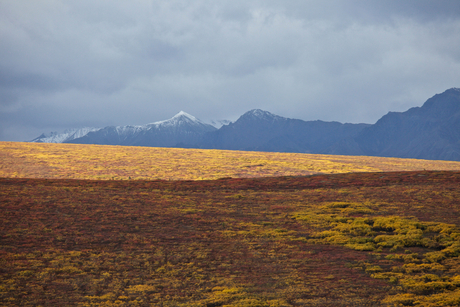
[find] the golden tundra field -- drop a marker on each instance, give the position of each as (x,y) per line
(130,226)
(64,161)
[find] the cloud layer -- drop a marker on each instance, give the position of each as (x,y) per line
(69,64)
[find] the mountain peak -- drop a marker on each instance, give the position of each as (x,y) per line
(179,118)
(185,114)
(446,103)
(260,115)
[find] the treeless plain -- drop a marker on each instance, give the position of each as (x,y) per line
(361,231)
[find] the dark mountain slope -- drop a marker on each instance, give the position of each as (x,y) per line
(428,132)
(263,131)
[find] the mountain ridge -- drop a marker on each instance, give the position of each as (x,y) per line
(67,135)
(431,131)
(182,128)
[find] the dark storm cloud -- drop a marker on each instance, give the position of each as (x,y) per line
(67,64)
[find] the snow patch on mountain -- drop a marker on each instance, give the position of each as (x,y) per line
(67,135)
(124,130)
(219,123)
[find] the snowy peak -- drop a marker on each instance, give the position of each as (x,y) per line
(180,119)
(258,114)
(181,116)
(184,114)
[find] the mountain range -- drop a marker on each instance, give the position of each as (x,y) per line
(431,131)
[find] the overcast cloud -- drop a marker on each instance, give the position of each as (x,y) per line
(70,64)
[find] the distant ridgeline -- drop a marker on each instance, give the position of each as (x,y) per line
(428,132)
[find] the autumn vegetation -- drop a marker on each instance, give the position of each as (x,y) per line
(64,161)
(366,232)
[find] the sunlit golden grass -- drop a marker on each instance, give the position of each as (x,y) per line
(35,160)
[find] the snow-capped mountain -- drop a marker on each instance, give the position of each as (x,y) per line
(67,135)
(181,130)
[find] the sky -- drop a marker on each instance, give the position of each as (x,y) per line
(94,63)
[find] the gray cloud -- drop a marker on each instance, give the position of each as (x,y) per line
(66,64)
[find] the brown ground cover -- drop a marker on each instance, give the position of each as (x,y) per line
(358,239)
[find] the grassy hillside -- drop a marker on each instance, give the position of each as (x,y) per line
(63,161)
(365,239)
